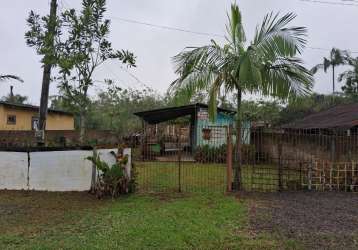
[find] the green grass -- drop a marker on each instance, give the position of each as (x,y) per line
(38,220)
(194,177)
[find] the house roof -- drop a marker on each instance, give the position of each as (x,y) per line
(165,114)
(32,108)
(338,117)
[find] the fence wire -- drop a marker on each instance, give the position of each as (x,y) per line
(208,159)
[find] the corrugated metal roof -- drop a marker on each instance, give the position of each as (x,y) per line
(33,108)
(338,117)
(165,114)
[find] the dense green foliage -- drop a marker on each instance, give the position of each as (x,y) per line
(112,180)
(350,77)
(17,99)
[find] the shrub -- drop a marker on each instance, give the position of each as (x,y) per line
(210,154)
(112,180)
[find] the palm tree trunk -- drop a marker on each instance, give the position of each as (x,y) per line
(237,168)
(334,79)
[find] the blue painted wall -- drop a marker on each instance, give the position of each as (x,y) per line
(218,134)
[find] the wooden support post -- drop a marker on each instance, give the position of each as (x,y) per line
(352,184)
(331,177)
(280,181)
(345,177)
(179,164)
(310,176)
(338,177)
(229,160)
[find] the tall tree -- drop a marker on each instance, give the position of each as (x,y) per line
(351,78)
(336,58)
(266,66)
(42,35)
(84,47)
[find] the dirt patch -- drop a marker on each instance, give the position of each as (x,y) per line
(28,212)
(326,220)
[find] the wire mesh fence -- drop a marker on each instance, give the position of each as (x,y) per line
(209,159)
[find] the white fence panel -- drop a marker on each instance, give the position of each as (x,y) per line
(60,171)
(13,170)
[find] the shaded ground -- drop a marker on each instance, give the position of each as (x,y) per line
(317,220)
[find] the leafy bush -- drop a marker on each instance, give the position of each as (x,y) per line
(112,180)
(210,154)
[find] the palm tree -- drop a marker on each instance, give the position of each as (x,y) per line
(350,77)
(7,77)
(336,58)
(266,66)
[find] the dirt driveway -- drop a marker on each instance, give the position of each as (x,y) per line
(317,220)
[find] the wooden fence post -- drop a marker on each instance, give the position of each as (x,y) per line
(280,181)
(310,176)
(229,160)
(179,164)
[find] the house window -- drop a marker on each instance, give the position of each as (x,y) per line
(11,119)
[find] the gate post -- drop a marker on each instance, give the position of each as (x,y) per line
(229,160)
(179,164)
(280,184)
(310,166)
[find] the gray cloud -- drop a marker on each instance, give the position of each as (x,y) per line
(328,26)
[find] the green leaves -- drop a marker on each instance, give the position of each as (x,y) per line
(235,29)
(350,77)
(267,66)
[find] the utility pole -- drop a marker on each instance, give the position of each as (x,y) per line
(40,134)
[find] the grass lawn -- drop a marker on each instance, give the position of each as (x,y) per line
(41,220)
(194,177)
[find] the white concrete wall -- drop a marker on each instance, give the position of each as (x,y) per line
(60,171)
(49,171)
(13,170)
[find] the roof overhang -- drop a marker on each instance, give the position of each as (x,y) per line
(156,116)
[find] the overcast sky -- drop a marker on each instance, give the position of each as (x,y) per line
(328,25)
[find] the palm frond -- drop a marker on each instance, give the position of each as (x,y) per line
(235,29)
(197,69)
(326,64)
(315,69)
(274,38)
(213,96)
(8,77)
(285,78)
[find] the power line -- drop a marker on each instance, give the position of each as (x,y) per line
(166,27)
(116,76)
(196,33)
(330,3)
(135,77)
